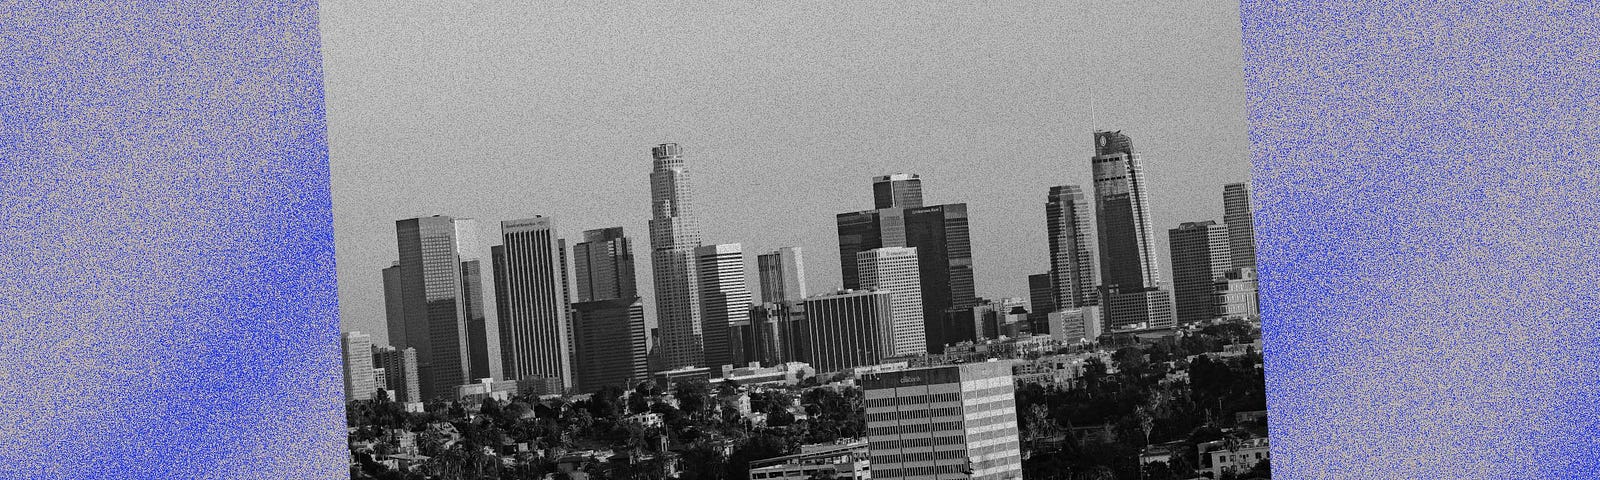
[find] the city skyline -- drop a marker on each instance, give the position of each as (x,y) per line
(782,171)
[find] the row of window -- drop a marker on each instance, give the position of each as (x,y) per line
(917,442)
(919,428)
(914,399)
(914,413)
(919,472)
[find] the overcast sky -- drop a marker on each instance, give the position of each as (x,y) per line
(506,110)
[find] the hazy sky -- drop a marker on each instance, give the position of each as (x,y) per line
(505,110)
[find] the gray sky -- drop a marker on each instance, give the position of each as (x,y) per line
(505,110)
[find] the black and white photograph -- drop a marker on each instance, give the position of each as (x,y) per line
(810,240)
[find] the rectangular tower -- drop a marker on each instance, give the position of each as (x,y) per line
(610,341)
(894,270)
(400,370)
(783,275)
(1236,214)
(724,300)
(358,382)
(1200,254)
(1072,274)
(949,422)
(844,330)
(531,286)
(437,254)
(899,190)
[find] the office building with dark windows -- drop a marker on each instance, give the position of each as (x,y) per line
(1130,277)
(531,291)
(782,274)
(439,290)
(947,422)
(610,341)
(1241,228)
(1200,254)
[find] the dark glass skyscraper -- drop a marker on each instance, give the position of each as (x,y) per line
(437,300)
(1199,255)
(1128,270)
(783,275)
(674,236)
(1241,227)
(944,254)
(531,290)
(896,191)
(603,266)
(1072,274)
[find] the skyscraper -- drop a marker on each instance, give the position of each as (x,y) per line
(783,275)
(1241,228)
(724,300)
(1072,274)
(603,266)
(844,330)
(944,255)
(894,270)
(438,297)
(610,340)
(531,287)
(1199,256)
(400,372)
(896,191)
(1041,301)
(1130,276)
(358,378)
(394,305)
(949,422)
(673,239)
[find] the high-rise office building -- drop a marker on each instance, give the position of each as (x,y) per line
(440,296)
(894,270)
(400,372)
(358,378)
(674,236)
(1075,324)
(948,422)
(944,256)
(531,289)
(1041,301)
(899,190)
(1236,214)
(610,340)
(1072,273)
(724,300)
(1235,294)
(772,335)
(603,266)
(783,275)
(1199,256)
(1129,275)
(394,305)
(844,330)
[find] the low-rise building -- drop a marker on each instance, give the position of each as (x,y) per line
(846,459)
(1238,456)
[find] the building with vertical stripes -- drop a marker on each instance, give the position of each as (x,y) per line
(899,190)
(1072,275)
(948,422)
(724,301)
(358,377)
(783,275)
(1200,254)
(531,288)
(894,270)
(674,236)
(1130,277)
(844,330)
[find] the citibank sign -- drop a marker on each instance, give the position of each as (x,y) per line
(910,379)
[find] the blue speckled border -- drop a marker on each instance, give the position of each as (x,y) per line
(1425,177)
(166,250)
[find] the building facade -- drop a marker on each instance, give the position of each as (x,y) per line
(894,270)
(674,236)
(532,293)
(724,301)
(400,373)
(948,422)
(358,376)
(899,190)
(1235,294)
(1130,278)
(844,330)
(1072,272)
(1200,254)
(783,275)
(440,295)
(1236,214)
(610,341)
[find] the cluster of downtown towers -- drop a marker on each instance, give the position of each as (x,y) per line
(907,275)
